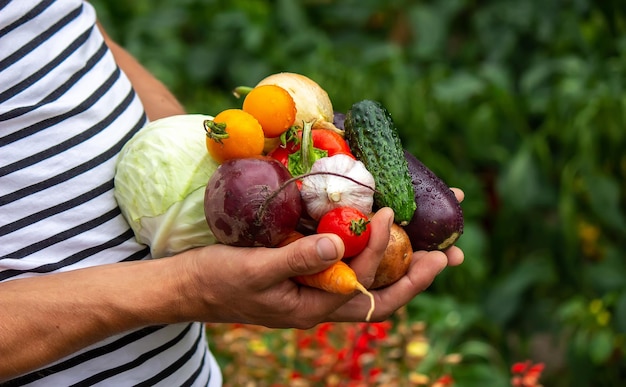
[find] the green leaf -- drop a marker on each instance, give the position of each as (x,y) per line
(476,348)
(608,274)
(521,183)
(427,24)
(601,346)
(604,198)
(506,296)
(620,313)
(474,244)
(459,88)
(296,166)
(300,162)
(480,375)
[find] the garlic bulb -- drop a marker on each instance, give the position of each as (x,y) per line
(321,192)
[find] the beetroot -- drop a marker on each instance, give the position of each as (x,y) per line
(246,203)
(438,221)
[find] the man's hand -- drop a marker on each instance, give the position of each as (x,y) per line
(253,285)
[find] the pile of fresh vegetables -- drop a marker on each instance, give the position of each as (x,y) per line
(282,166)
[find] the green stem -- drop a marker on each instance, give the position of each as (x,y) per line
(306,149)
(215,131)
(358,226)
(242,91)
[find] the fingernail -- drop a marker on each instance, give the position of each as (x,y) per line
(391,219)
(326,249)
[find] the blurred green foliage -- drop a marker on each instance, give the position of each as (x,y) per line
(520,103)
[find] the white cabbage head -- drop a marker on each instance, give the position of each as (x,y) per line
(161,176)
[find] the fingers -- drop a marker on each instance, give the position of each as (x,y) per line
(314,253)
(307,255)
(365,266)
(267,272)
(424,269)
(422,272)
(366,263)
(460,195)
(455,256)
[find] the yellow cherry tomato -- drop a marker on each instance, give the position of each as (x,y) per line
(273,107)
(233,133)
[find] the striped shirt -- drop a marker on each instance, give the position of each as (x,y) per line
(66,110)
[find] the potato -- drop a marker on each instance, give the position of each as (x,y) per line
(396,260)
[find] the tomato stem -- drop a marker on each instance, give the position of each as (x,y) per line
(290,135)
(306,149)
(358,226)
(215,131)
(241,91)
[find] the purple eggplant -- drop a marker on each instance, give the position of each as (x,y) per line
(338,120)
(438,221)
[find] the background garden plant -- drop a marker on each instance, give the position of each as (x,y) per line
(520,103)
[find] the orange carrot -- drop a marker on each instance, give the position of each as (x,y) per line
(340,279)
(293,236)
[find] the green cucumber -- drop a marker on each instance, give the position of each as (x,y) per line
(374,139)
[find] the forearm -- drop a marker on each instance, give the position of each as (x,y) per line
(157,100)
(48,317)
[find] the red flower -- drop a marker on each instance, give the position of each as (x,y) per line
(445,380)
(305,342)
(342,354)
(321,334)
(526,374)
(374,372)
(519,367)
(379,330)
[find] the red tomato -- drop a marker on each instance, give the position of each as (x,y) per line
(330,141)
(351,225)
(323,139)
(281,153)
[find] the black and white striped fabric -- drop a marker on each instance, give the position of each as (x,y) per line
(66,110)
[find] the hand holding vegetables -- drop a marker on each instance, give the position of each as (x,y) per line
(254,286)
(258,196)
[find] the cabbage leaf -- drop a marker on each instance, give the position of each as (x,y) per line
(161,175)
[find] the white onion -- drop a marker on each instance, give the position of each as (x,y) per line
(312,101)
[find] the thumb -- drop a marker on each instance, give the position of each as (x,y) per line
(308,255)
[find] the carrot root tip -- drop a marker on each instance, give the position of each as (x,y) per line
(362,289)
